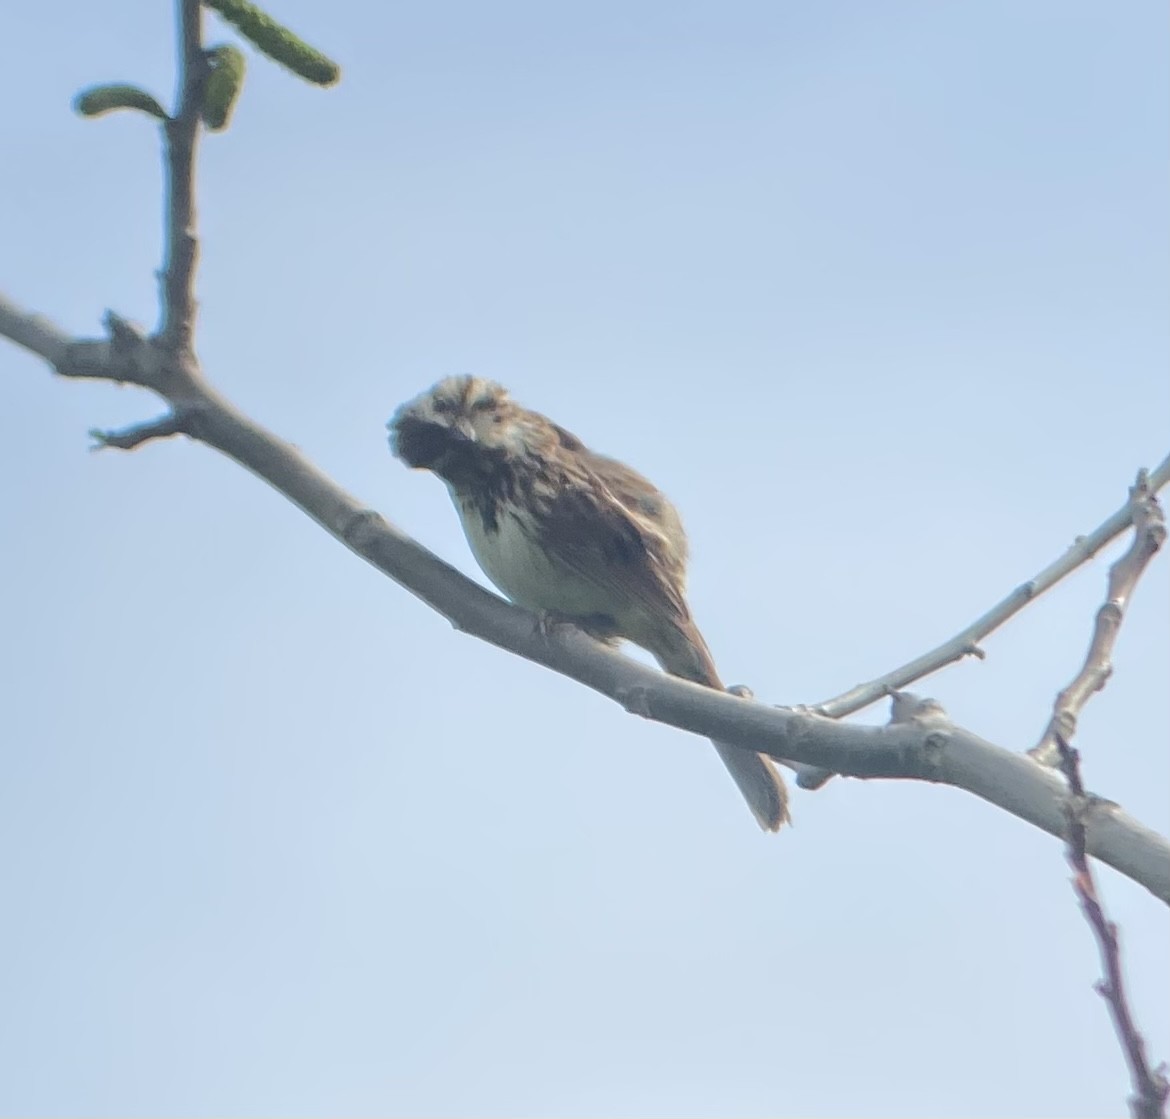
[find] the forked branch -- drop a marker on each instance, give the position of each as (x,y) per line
(966,641)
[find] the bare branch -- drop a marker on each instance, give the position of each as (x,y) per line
(182,137)
(965,643)
(1150,1087)
(1149,532)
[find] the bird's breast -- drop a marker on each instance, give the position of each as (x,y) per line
(507,546)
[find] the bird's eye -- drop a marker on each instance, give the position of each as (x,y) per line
(483,404)
(443,406)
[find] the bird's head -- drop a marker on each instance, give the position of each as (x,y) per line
(459,427)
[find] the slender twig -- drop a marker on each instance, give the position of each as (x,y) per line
(1149,533)
(966,641)
(177,330)
(1150,1086)
(130,438)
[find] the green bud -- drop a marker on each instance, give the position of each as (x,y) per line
(223,85)
(277,41)
(99,99)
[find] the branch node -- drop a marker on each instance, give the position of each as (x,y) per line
(922,710)
(125,335)
(933,755)
(359,528)
(636,700)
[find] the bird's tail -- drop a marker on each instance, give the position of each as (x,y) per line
(684,653)
(762,786)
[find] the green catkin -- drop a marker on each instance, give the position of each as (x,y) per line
(222,87)
(277,41)
(100,99)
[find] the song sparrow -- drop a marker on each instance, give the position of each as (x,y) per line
(566,532)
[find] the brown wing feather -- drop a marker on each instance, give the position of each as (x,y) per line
(600,519)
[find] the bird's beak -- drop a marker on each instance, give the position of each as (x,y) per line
(463,431)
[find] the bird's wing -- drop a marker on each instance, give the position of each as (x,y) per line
(610,525)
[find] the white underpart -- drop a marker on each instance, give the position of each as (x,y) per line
(511,558)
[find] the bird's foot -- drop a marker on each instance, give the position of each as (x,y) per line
(549,620)
(601,627)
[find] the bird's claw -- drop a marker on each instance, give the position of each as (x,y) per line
(548,620)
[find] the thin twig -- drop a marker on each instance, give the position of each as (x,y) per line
(1149,533)
(1150,1086)
(130,438)
(966,642)
(177,331)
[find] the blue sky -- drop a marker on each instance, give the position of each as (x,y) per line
(876,293)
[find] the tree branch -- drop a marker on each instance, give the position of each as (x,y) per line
(965,643)
(1150,1087)
(923,745)
(1149,527)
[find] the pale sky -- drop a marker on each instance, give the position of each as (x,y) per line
(877,293)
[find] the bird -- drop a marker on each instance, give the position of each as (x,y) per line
(571,535)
